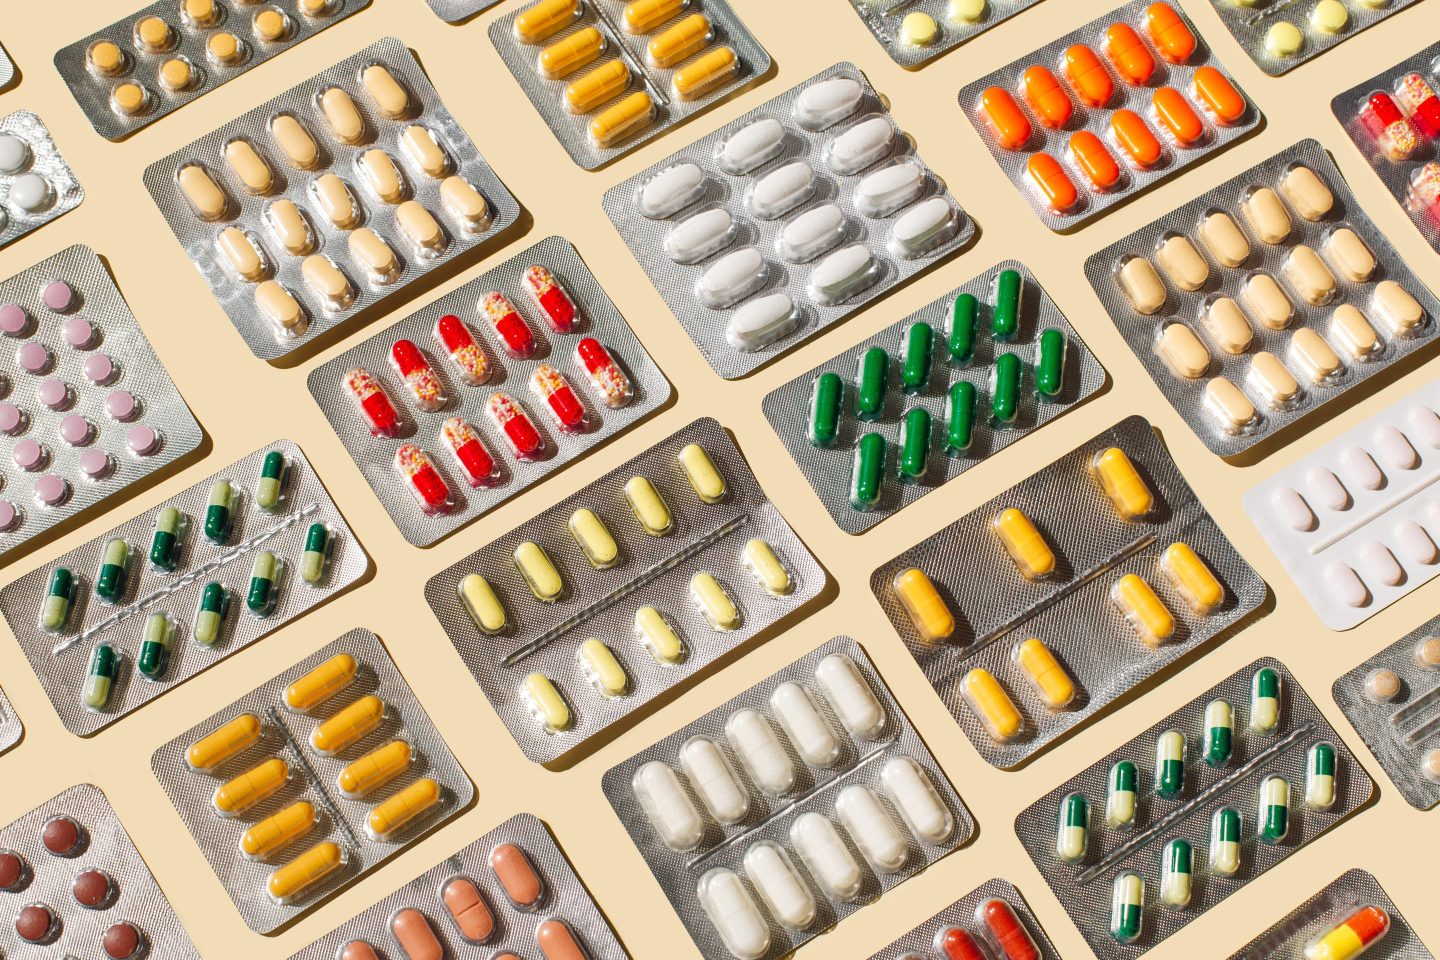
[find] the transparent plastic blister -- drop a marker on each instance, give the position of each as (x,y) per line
(681,585)
(1110,542)
(472,399)
(1281,297)
(914,32)
(1281,36)
(1348,917)
(822,415)
(1241,811)
(312,780)
(1107,111)
(256,577)
(330,198)
(836,801)
(37,182)
(993,914)
(757,242)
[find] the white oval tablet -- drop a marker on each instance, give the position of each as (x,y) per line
(870,826)
(731,278)
(751,145)
(828,102)
(850,696)
(812,233)
(782,190)
(761,322)
(693,239)
(1426,424)
(923,227)
(1344,583)
(1380,564)
(1361,468)
(710,773)
(1415,543)
(1395,447)
(760,752)
(1292,508)
(668,806)
(1327,488)
(672,189)
(805,725)
(734,915)
(826,856)
(860,146)
(843,274)
(890,188)
(909,788)
(779,886)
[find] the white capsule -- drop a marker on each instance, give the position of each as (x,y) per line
(923,227)
(860,146)
(781,889)
(672,189)
(761,322)
(870,826)
(889,188)
(909,788)
(734,915)
(1395,447)
(782,190)
(850,696)
(760,752)
(695,238)
(1325,487)
(732,278)
(751,145)
(1361,468)
(1380,564)
(812,233)
(710,773)
(828,102)
(671,811)
(1345,584)
(1415,543)
(826,856)
(805,725)
(843,274)
(1293,509)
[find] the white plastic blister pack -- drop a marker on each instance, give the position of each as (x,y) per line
(1349,916)
(36,182)
(994,914)
(914,32)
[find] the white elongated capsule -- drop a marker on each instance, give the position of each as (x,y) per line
(869,825)
(734,914)
(911,791)
(850,696)
(671,811)
(710,773)
(751,145)
(826,856)
(781,889)
(760,752)
(805,725)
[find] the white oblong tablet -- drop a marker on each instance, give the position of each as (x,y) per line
(1326,487)
(731,278)
(1293,509)
(671,811)
(1395,447)
(1426,424)
(1360,468)
(760,752)
(695,238)
(782,190)
(783,892)
(909,788)
(860,146)
(828,102)
(710,773)
(923,227)
(812,233)
(1345,585)
(826,856)
(888,189)
(672,189)
(850,696)
(733,914)
(1380,564)
(843,274)
(870,826)
(1415,543)
(805,725)
(761,322)
(750,146)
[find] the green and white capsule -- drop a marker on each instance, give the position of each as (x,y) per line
(868,473)
(272,481)
(219,512)
(317,549)
(1273,816)
(914,445)
(870,376)
(1265,701)
(964,322)
(1225,841)
(260,598)
(1170,763)
(1072,829)
(210,617)
(916,358)
(59,597)
(100,679)
(1320,776)
(1120,795)
(114,564)
(165,542)
(1219,732)
(1127,907)
(1177,861)
(154,647)
(960,417)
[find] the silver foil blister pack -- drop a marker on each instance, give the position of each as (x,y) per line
(351,285)
(86,408)
(753,254)
(963,578)
(638,86)
(742,847)
(792,409)
(10,726)
(1059,153)
(520,924)
(1314,26)
(454,11)
(245,847)
(648,574)
(1312,931)
(138,69)
(941,25)
(1252,351)
(596,317)
(7,69)
(36,181)
(1235,792)
(96,861)
(65,657)
(993,914)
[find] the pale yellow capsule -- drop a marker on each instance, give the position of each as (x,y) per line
(705,478)
(322,683)
(544,19)
(204,194)
(687,37)
(1267,302)
(1026,545)
(348,727)
(658,636)
(539,572)
(295,141)
(403,809)
(642,16)
(341,114)
(289,882)
(1350,255)
(234,797)
(420,228)
(713,602)
(381,175)
(389,96)
(1123,484)
(593,539)
(249,166)
(602,669)
(1192,578)
(992,704)
(546,703)
(704,74)
(564,57)
(279,306)
(229,741)
(482,604)
(1048,678)
(1144,609)
(599,85)
(649,507)
(765,566)
(423,149)
(241,253)
(370,250)
(326,282)
(927,609)
(1224,238)
(375,769)
(463,202)
(1310,196)
(278,831)
(624,119)
(1182,262)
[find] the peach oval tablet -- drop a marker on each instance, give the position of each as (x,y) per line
(557,941)
(327,282)
(1313,356)
(423,149)
(1230,408)
(1052,182)
(1183,264)
(370,250)
(1227,325)
(468,909)
(1352,333)
(389,96)
(1224,238)
(1094,160)
(1134,137)
(1349,255)
(1183,352)
(1141,285)
(280,308)
(1213,89)
(1267,302)
(241,252)
(358,950)
(1271,380)
(420,228)
(249,166)
(1307,193)
(335,200)
(1267,215)
(381,175)
(295,141)
(342,116)
(414,935)
(463,202)
(1046,97)
(1309,276)
(517,876)
(1176,115)
(290,227)
(204,194)
(1396,309)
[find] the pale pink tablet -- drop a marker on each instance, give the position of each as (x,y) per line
(99,368)
(11,419)
(58,296)
(33,356)
(54,393)
(76,430)
(79,333)
(13,320)
(28,455)
(121,404)
(8,515)
(95,463)
(51,490)
(142,440)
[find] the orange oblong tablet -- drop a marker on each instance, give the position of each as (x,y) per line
(468,909)
(1169,34)
(1008,122)
(1087,76)
(1176,115)
(1052,181)
(1094,160)
(1129,55)
(1219,95)
(1046,97)
(1135,138)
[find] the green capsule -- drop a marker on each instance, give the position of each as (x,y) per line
(1320,777)
(1127,907)
(914,445)
(1050,364)
(218,512)
(1009,290)
(317,546)
(59,595)
(272,479)
(110,581)
(1005,390)
(261,597)
(868,472)
(964,321)
(1225,842)
(915,362)
(1170,763)
(210,618)
(101,677)
(154,647)
(870,384)
(960,417)
(1265,701)
(1072,831)
(165,544)
(825,399)
(1177,863)
(1120,794)
(1219,732)
(1274,813)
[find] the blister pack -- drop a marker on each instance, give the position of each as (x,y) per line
(312,780)
(508,894)
(1034,611)
(914,32)
(584,614)
(119,621)
(1274,295)
(516,374)
(36,181)
(1349,522)
(1394,120)
(901,414)
(1163,104)
(7,69)
(334,196)
(159,58)
(993,914)
(454,11)
(1351,915)
(1281,36)
(1169,825)
(10,726)
(764,868)
(607,76)
(86,408)
(77,887)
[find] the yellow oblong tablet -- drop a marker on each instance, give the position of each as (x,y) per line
(1026,545)
(927,609)
(1123,484)
(680,41)
(348,727)
(375,769)
(648,506)
(593,538)
(992,704)
(539,572)
(704,74)
(276,832)
(545,703)
(658,636)
(544,19)
(1144,609)
(321,683)
(289,883)
(403,809)
(263,780)
(624,119)
(765,566)
(602,669)
(482,604)
(564,57)
(713,602)
(1046,675)
(230,740)
(599,85)
(1193,578)
(705,478)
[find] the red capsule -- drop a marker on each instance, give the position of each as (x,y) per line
(551,299)
(419,378)
(470,361)
(1420,100)
(956,944)
(512,421)
(510,327)
(550,385)
(1006,931)
(373,403)
(426,484)
(604,374)
(475,461)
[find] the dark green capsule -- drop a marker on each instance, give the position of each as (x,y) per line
(1005,390)
(317,546)
(1219,732)
(110,581)
(210,618)
(154,647)
(964,321)
(272,478)
(960,417)
(1274,815)
(218,512)
(101,677)
(870,384)
(914,445)
(59,595)
(868,472)
(261,596)
(1009,289)
(1050,364)
(919,351)
(165,544)
(825,399)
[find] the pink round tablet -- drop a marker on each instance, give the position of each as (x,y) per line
(58,296)
(13,320)
(11,419)
(79,333)
(99,368)
(28,455)
(142,440)
(8,515)
(54,393)
(51,490)
(121,404)
(33,356)
(76,430)
(95,463)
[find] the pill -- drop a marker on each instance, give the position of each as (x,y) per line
(59,597)
(704,74)
(129,98)
(249,166)
(242,253)
(705,478)
(100,677)
(1128,54)
(422,147)
(1381,686)
(713,602)
(715,781)
(760,752)
(558,397)
(420,228)
(1025,544)
(1224,239)
(916,355)
(295,141)
(225,743)
(1320,776)
(1349,255)
(1094,160)
(1184,265)
(1284,39)
(335,201)
(467,907)
(914,797)
(1415,543)
(341,115)
(601,669)
(1006,121)
(1008,293)
(1087,76)
(153,34)
(927,608)
(110,581)
(381,175)
(923,227)
(1309,276)
(960,417)
(697,237)
(642,16)
(782,189)
(464,203)
(1349,937)
(270,25)
(375,769)
(326,282)
(658,636)
(871,375)
(408,806)
(1170,763)
(480,601)
(784,894)
(1169,33)
(597,86)
(1072,830)
(860,146)
(1174,113)
(1393,305)
(203,193)
(550,298)
(649,506)
(1192,578)
(540,574)
(1225,842)
(264,574)
(824,104)
(322,683)
(1269,378)
(733,914)
(805,726)
(992,704)
(850,696)
(668,807)
(1141,285)
(1266,215)
(871,828)
(105,58)
(274,833)
(1345,584)
(1380,564)
(1310,352)
(1134,137)
(1427,653)
(373,254)
(415,936)
(1182,351)
(826,396)
(1121,787)
(154,647)
(1267,302)
(385,91)
(1264,701)
(767,569)
(1352,332)
(545,18)
(235,796)
(348,727)
(1045,674)
(881,193)
(224,48)
(1273,817)
(732,278)
(914,445)
(545,703)
(1214,91)
(1146,612)
(761,322)
(678,42)
(1176,866)
(867,471)
(1307,193)
(1051,182)
(1045,97)
(289,227)
(92,888)
(290,882)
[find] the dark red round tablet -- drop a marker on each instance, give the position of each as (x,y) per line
(34,923)
(12,870)
(92,888)
(121,941)
(62,837)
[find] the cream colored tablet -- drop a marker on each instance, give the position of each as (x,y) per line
(1396,309)
(342,116)
(1309,276)
(176,74)
(390,98)
(463,202)
(335,201)
(105,58)
(1307,193)
(130,98)
(1349,255)
(1230,408)
(1227,326)
(295,141)
(282,310)
(422,148)
(1183,352)
(381,175)
(1224,238)
(370,250)
(290,227)
(1141,285)
(224,49)
(1310,354)
(1352,333)
(1182,262)
(204,194)
(202,13)
(1267,216)
(327,282)
(241,253)
(1271,380)
(153,34)
(270,25)
(249,166)
(420,228)
(1267,302)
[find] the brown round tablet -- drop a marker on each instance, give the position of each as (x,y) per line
(1427,652)
(517,875)
(468,909)
(557,941)
(61,837)
(122,941)
(92,888)
(34,923)
(1430,766)
(12,870)
(358,950)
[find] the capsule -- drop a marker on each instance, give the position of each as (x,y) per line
(317,548)
(154,647)
(679,42)
(514,333)
(1127,907)
(377,768)
(476,464)
(1046,676)
(419,377)
(785,895)
(870,378)
(1225,842)
(850,696)
(1050,363)
(404,808)
(1123,484)
(927,608)
(705,478)
(1120,791)
(565,56)
(1265,701)
(321,683)
(100,677)
(275,832)
(913,796)
(992,705)
(515,425)
(165,541)
(668,807)
(1273,818)
(481,603)
(914,445)
(714,779)
(713,602)
(224,744)
(1320,777)
(110,580)
(868,471)
(871,828)
(1025,544)
(915,360)
(59,597)
(1087,76)
(545,703)
(763,564)
(544,19)
(260,782)
(260,597)
(1176,115)
(348,727)
(733,914)
(1144,609)
(1005,390)
(649,506)
(606,378)
(1192,578)
(373,403)
(629,116)
(1134,137)
(764,759)
(550,298)
(1170,763)
(539,572)
(826,856)
(550,385)
(601,669)
(1007,122)
(658,636)
(1355,934)
(594,539)
(469,359)
(1072,835)
(1009,292)
(219,511)
(1169,33)
(826,396)
(289,883)
(964,324)
(1219,733)
(1046,98)
(804,725)
(1176,866)
(271,485)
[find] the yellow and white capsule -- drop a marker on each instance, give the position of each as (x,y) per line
(545,703)
(649,507)
(1144,609)
(768,571)
(713,602)
(1192,578)
(539,572)
(658,636)
(1025,544)
(600,667)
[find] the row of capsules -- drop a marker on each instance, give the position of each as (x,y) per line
(1404,124)
(997,932)
(872,378)
(471,366)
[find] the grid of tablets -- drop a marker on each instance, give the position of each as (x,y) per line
(651,573)
(914,32)
(140,68)
(1037,609)
(751,816)
(1261,301)
(1349,916)
(310,781)
(1138,97)
(119,621)
(36,182)
(505,896)
(1281,36)
(1147,839)
(330,198)
(10,726)
(1355,523)
(514,375)
(86,409)
(1394,120)
(609,75)
(787,220)
(75,886)
(895,417)
(991,922)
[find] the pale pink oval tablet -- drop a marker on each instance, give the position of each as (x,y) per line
(34,357)
(99,368)
(1345,584)
(1361,468)
(79,333)
(58,296)
(95,463)
(1415,542)
(1395,447)
(11,419)
(8,515)
(28,455)
(1426,424)
(55,394)
(1327,488)
(75,430)
(121,404)
(142,440)
(1290,505)
(1380,563)
(51,490)
(13,320)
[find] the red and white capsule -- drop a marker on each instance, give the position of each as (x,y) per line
(604,374)
(425,482)
(509,326)
(515,424)
(373,403)
(475,461)
(418,375)
(551,299)
(470,361)
(565,408)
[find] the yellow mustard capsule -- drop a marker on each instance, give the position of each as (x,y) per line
(624,119)
(1192,578)
(375,769)
(544,19)
(1145,610)
(658,636)
(594,539)
(1046,675)
(705,478)
(276,832)
(234,797)
(649,507)
(642,16)
(564,57)
(539,573)
(713,602)
(680,41)
(704,74)
(290,882)
(992,704)
(482,604)
(602,669)
(545,702)
(927,609)
(322,683)
(403,809)
(599,85)
(1123,484)
(231,740)
(1026,545)
(348,726)
(765,566)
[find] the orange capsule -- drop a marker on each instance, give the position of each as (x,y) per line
(1087,76)
(1052,181)
(1006,119)
(1169,34)
(1176,115)
(1046,97)
(1135,138)
(1129,55)
(1219,95)
(1094,160)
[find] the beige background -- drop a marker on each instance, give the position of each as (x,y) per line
(243,403)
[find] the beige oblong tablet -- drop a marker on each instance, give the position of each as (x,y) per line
(241,252)
(1183,352)
(290,227)
(1267,215)
(295,141)
(1224,238)
(1349,255)
(423,149)
(1267,302)
(420,228)
(381,175)
(1307,193)
(1182,262)
(1271,380)
(342,116)
(249,166)
(1226,323)
(390,98)
(204,194)
(327,282)
(463,202)
(1352,333)
(335,201)
(370,250)
(1313,356)
(1309,276)
(276,304)
(1230,408)
(1396,309)
(1141,285)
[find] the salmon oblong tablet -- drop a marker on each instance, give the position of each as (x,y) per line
(1006,120)
(557,941)
(1134,137)
(1128,54)
(468,909)
(342,116)
(517,876)
(413,933)
(390,97)
(1052,182)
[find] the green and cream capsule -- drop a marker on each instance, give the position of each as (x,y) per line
(1265,701)
(826,398)
(1177,862)
(219,511)
(100,677)
(917,356)
(1219,733)
(154,647)
(272,480)
(1225,841)
(165,542)
(114,563)
(1170,763)
(59,598)
(1072,829)
(960,417)
(1127,907)
(210,617)
(317,549)
(1320,777)
(260,598)
(1120,794)
(1273,816)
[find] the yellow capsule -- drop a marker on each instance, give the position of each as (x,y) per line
(626,118)
(1145,610)
(564,57)
(680,41)
(407,806)
(1192,577)
(658,636)
(602,669)
(597,86)
(231,740)
(767,569)
(544,19)
(348,726)
(649,507)
(322,683)
(1123,484)
(713,602)
(1045,674)
(705,478)
(290,881)
(254,785)
(642,16)
(539,573)
(593,539)
(927,609)
(992,704)
(546,703)
(482,604)
(276,832)
(1026,545)
(696,79)
(375,769)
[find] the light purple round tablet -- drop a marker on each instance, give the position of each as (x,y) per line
(99,368)
(11,419)
(33,356)
(58,296)
(121,404)
(142,440)
(51,490)
(28,455)
(54,393)
(95,463)
(13,320)
(8,515)
(75,430)
(79,333)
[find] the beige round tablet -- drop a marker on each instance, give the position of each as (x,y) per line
(129,98)
(316,8)
(370,250)
(1231,409)
(295,141)
(1227,326)
(290,227)
(270,25)
(1224,238)
(1349,255)
(247,164)
(342,116)
(1427,653)
(1352,333)
(202,13)
(1307,193)
(1311,354)
(1182,262)
(177,74)
(278,306)
(240,251)
(1430,766)
(1183,352)
(1267,302)
(423,149)
(389,97)
(335,201)
(1272,380)
(1267,216)
(105,58)
(153,34)
(1396,309)
(224,49)
(204,194)
(1309,276)
(1382,686)
(1141,285)
(464,203)
(327,282)
(381,175)
(420,228)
